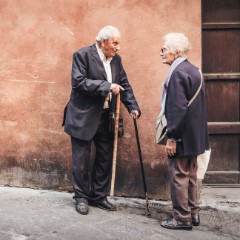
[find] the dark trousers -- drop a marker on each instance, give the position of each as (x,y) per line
(183,187)
(93,184)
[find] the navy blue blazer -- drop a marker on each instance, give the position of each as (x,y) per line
(187,124)
(89,89)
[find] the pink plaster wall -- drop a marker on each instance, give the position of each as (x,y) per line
(37,41)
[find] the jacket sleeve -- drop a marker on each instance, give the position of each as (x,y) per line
(177,104)
(127,96)
(81,82)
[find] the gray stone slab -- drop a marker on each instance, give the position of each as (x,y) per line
(27,214)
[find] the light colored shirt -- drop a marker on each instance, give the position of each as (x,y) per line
(107,67)
(106,64)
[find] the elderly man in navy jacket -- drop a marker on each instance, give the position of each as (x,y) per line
(97,77)
(186,130)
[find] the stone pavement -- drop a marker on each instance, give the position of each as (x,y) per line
(27,214)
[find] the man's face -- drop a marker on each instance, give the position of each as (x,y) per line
(110,46)
(167,57)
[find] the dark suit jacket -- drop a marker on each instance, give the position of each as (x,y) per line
(186,123)
(89,89)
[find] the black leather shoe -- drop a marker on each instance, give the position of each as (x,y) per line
(104,204)
(171,223)
(195,219)
(82,206)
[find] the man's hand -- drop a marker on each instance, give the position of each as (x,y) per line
(171,147)
(134,114)
(115,88)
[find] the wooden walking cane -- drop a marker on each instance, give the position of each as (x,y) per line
(114,163)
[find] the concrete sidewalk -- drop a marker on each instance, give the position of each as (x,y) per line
(27,214)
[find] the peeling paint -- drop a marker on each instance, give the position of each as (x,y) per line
(51,131)
(8,123)
(34,74)
(30,81)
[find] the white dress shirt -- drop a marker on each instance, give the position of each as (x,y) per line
(107,67)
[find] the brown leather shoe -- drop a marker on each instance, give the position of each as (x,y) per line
(195,219)
(172,223)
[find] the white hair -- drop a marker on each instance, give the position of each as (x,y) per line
(177,42)
(108,32)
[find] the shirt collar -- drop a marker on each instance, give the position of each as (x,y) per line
(101,55)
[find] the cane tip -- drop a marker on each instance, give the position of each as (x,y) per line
(149,215)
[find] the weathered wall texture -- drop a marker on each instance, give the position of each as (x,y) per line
(37,41)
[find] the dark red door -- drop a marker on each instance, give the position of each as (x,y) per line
(221,68)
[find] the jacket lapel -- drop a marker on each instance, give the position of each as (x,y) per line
(98,62)
(113,68)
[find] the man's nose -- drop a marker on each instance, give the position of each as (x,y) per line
(118,47)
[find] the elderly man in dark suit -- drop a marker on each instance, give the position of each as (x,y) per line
(186,130)
(97,77)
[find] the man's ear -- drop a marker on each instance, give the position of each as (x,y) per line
(177,53)
(103,42)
